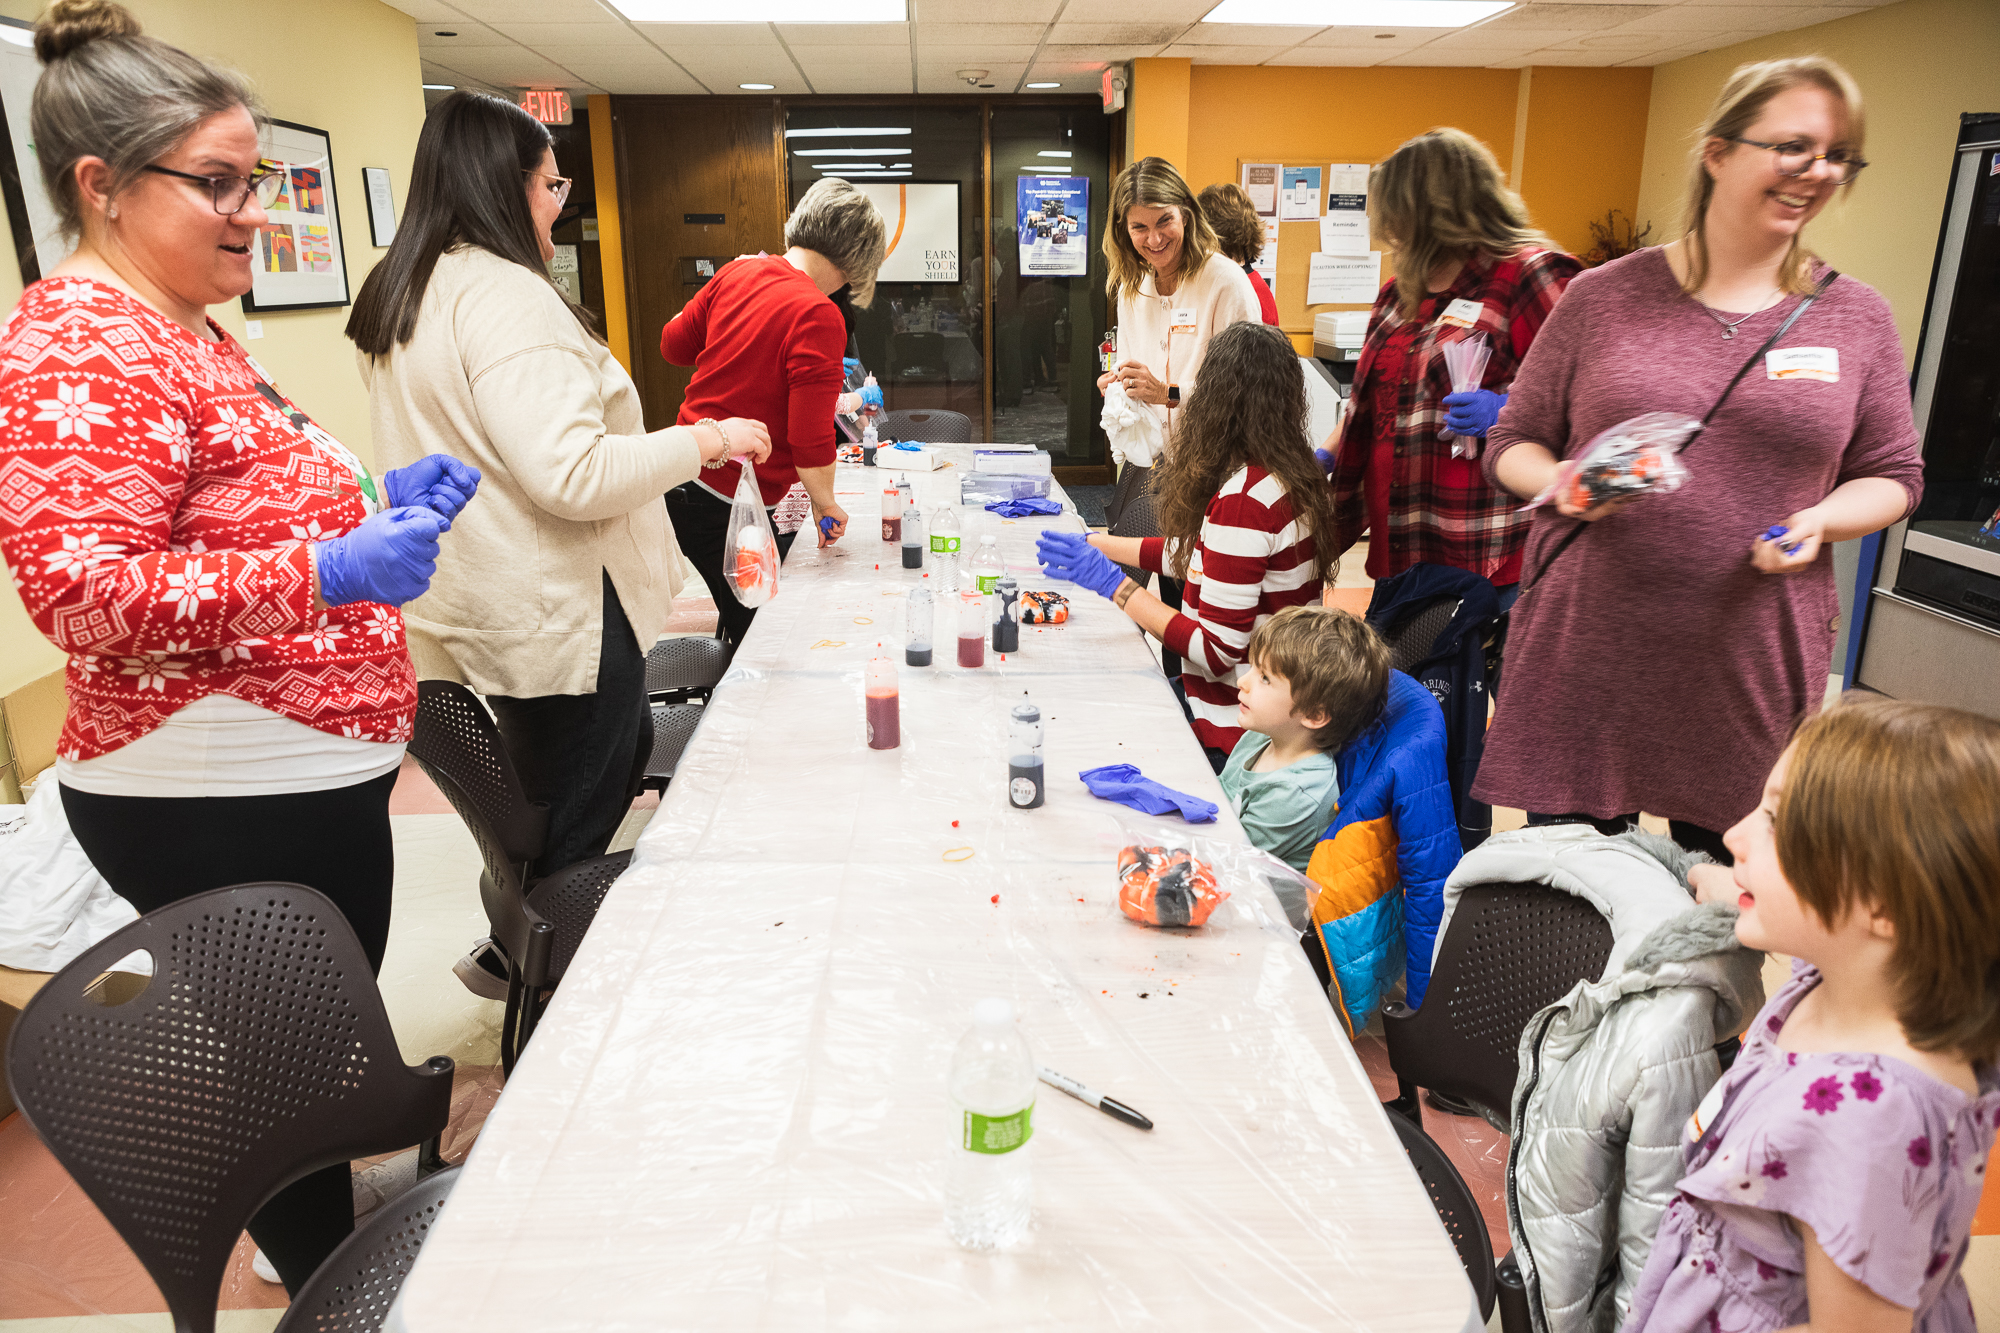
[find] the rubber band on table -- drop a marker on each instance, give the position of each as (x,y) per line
(949,854)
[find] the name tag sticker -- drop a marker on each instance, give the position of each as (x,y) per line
(1183,321)
(1803,363)
(1462,314)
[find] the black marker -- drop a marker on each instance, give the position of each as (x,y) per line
(1116,1110)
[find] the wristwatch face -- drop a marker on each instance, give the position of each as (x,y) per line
(1173,393)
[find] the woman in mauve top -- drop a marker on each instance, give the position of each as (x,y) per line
(1468,261)
(1662,662)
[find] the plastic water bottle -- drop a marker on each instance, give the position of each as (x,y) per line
(944,548)
(913,536)
(1025,789)
(987,566)
(989,1188)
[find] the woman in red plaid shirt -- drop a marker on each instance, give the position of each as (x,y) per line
(1467,261)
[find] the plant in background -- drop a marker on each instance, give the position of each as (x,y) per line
(1615,239)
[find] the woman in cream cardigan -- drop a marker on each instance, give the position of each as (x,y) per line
(555,592)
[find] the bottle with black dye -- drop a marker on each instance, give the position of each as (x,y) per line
(1024,755)
(917,645)
(913,536)
(1006,614)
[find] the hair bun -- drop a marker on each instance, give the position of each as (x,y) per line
(69,24)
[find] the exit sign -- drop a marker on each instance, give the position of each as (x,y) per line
(548,105)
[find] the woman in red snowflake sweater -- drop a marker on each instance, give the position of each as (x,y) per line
(222,573)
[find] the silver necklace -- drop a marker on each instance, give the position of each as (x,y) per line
(1729,325)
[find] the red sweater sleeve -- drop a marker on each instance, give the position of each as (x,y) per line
(814,373)
(687,333)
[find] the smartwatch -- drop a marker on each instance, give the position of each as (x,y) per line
(1173,395)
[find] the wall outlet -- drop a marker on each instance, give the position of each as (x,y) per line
(253,328)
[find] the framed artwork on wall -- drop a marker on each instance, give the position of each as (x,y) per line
(297,262)
(922,217)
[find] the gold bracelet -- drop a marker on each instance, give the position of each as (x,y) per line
(721,434)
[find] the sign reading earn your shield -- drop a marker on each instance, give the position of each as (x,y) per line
(923,229)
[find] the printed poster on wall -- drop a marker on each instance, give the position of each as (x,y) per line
(1054,221)
(923,229)
(1344,229)
(1260,182)
(298,263)
(1344,279)
(1298,197)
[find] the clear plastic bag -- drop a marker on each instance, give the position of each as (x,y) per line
(1465,361)
(751,548)
(1638,456)
(1219,868)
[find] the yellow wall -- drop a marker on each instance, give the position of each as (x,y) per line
(349,67)
(1919,64)
(1586,134)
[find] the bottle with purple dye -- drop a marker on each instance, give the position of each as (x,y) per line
(885,724)
(971,628)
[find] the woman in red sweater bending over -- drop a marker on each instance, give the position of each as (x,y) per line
(766,339)
(1243,504)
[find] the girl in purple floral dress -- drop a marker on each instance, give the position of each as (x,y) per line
(1833,1173)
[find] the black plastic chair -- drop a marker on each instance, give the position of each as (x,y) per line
(1509,951)
(258,1052)
(536,922)
(673,727)
(927,426)
(1410,642)
(354,1288)
(683,669)
(1456,1208)
(1136,516)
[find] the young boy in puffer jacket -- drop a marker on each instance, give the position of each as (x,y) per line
(1610,1073)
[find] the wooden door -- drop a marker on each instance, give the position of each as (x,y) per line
(682,161)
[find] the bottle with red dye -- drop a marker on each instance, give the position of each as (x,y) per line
(885,723)
(892,514)
(971,628)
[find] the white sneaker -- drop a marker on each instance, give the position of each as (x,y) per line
(262,1267)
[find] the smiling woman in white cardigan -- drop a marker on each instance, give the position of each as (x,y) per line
(553,597)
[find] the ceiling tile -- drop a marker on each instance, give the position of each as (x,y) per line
(510,68)
(980,34)
(1580,18)
(1245,34)
(1615,45)
(1426,56)
(725,67)
(537,11)
(539,35)
(941,79)
(972,57)
(424,10)
(468,35)
(882,80)
(1367,38)
(1120,34)
(1734,18)
(587,61)
(1592,58)
(668,82)
(1122,11)
(1097,53)
(984,11)
(1225,55)
(807,36)
(1330,57)
(674,36)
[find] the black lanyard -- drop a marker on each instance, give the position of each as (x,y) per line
(1580,526)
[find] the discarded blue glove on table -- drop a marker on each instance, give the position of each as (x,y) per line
(1125,784)
(1473,412)
(1022,508)
(1070,556)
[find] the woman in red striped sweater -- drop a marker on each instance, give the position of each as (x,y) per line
(1242,500)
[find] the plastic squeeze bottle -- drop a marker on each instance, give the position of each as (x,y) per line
(913,536)
(1006,615)
(987,566)
(885,725)
(892,513)
(944,547)
(989,1187)
(1024,755)
(917,640)
(971,628)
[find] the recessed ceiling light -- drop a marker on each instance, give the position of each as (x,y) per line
(764,11)
(1356,13)
(440,87)
(1045,85)
(756,87)
(839,133)
(1054,152)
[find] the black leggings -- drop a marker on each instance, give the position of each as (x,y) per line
(157,850)
(1691,836)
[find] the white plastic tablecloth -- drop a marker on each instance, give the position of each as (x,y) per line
(734,1115)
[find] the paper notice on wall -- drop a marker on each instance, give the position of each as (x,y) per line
(1298,196)
(1344,279)
(1344,233)
(1346,186)
(1267,262)
(1260,182)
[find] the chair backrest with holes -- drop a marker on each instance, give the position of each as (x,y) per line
(1410,642)
(927,426)
(354,1288)
(1456,1208)
(258,1051)
(1510,950)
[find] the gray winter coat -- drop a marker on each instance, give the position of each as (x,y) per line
(1611,1073)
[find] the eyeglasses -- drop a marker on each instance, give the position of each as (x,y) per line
(230,193)
(559,185)
(1796,159)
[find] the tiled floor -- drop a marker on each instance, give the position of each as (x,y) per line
(62,1269)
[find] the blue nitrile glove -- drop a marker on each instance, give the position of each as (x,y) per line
(437,482)
(851,364)
(1126,785)
(1068,556)
(1024,507)
(1777,530)
(1325,458)
(1473,412)
(388,559)
(871,396)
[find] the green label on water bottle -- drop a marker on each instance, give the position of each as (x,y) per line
(986,582)
(997,1134)
(943,545)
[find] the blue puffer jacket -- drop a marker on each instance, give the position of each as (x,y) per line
(1382,864)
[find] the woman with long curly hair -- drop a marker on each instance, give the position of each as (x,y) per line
(1244,508)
